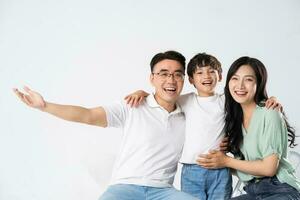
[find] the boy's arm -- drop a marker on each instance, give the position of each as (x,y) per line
(136,98)
(93,116)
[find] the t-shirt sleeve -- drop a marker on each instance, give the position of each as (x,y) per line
(274,134)
(184,100)
(116,114)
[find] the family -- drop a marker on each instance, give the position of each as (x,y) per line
(241,132)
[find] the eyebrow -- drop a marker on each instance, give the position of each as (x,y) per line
(165,70)
(252,76)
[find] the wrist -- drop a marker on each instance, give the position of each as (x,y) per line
(43,106)
(227,161)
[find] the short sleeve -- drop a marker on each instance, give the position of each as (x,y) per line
(116,114)
(184,101)
(274,134)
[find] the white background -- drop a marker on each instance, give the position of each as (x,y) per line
(92,52)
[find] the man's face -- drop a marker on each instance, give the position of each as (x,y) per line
(205,80)
(167,78)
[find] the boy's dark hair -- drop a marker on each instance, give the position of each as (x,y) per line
(170,55)
(203,60)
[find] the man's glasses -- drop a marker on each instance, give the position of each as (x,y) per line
(163,75)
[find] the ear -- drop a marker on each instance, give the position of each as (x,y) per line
(151,77)
(220,77)
(191,80)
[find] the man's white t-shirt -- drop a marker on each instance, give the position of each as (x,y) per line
(151,145)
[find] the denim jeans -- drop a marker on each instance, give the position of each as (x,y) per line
(269,188)
(137,192)
(210,184)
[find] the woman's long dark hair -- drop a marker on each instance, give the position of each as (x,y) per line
(233,110)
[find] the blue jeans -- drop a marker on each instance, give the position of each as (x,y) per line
(137,192)
(269,188)
(211,184)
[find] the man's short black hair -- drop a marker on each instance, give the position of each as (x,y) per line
(170,55)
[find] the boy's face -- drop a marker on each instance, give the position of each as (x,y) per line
(205,80)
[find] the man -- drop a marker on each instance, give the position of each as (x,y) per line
(153,133)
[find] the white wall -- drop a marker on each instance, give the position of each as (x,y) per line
(93,52)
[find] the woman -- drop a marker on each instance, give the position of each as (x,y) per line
(258,137)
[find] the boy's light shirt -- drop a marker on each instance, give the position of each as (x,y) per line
(204,124)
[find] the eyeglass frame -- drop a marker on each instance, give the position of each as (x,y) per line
(166,74)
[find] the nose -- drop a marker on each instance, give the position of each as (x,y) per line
(171,78)
(207,74)
(241,84)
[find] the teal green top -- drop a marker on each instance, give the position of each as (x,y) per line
(267,134)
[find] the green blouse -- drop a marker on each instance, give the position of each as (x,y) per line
(266,135)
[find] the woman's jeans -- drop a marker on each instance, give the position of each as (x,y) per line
(269,188)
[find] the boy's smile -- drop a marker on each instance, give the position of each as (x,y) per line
(205,80)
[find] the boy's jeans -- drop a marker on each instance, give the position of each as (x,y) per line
(137,192)
(210,184)
(269,188)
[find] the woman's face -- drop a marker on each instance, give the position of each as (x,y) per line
(242,85)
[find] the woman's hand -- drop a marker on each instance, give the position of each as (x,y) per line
(213,160)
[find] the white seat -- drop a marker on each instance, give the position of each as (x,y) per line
(294,158)
(238,188)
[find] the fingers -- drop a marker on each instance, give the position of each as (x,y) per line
(271,104)
(26,89)
(223,148)
(29,91)
(18,93)
(204,156)
(279,108)
(21,96)
(141,100)
(126,98)
(224,144)
(206,163)
(274,106)
(130,101)
(134,100)
(225,139)
(27,100)
(213,151)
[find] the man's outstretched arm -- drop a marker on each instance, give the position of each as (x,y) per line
(91,116)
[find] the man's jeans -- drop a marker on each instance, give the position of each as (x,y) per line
(269,189)
(137,192)
(211,184)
